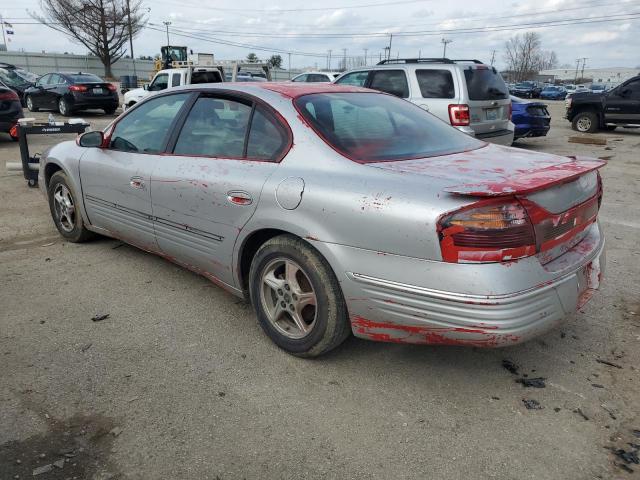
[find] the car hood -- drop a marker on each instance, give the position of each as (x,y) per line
(136,93)
(495,170)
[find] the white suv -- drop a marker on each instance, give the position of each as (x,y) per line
(468,94)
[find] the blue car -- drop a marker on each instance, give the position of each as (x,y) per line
(531,118)
(553,93)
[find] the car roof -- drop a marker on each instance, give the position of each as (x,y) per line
(286,89)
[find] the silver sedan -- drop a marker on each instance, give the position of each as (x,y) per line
(339,210)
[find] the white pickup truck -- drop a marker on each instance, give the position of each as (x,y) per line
(188,75)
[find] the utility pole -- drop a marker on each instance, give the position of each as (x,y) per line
(389,47)
(344,53)
(445,42)
(166,24)
(329,67)
(289,65)
(4,38)
(584,61)
(133,57)
(365,56)
(493,57)
(419,54)
(575,79)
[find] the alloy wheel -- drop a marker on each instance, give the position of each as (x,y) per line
(62,106)
(64,208)
(288,298)
(583,124)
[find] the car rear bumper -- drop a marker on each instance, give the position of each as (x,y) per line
(499,137)
(390,310)
(523,131)
(94,102)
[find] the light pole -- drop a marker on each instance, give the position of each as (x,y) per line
(133,57)
(365,56)
(329,60)
(167,25)
(444,42)
(344,56)
(289,65)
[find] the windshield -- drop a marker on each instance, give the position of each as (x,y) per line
(485,84)
(15,77)
(85,78)
(374,127)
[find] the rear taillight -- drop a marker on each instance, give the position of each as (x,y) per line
(111,87)
(10,95)
(490,231)
(78,88)
(459,115)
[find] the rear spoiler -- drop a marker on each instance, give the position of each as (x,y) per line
(530,181)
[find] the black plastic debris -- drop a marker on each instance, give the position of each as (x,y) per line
(100,317)
(630,456)
(510,366)
(626,468)
(581,413)
(531,404)
(597,385)
(636,433)
(607,362)
(537,382)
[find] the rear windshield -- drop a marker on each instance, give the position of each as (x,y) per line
(85,78)
(372,127)
(206,77)
(485,84)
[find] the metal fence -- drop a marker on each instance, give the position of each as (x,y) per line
(41,63)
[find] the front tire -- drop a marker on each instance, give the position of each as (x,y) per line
(30,105)
(297,297)
(585,122)
(63,203)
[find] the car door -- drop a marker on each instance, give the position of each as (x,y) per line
(622,104)
(50,97)
(39,92)
(435,91)
(160,82)
(116,180)
(207,190)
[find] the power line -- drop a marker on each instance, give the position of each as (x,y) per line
(286,10)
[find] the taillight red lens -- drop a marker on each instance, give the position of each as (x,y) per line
(494,231)
(78,88)
(10,95)
(459,115)
(111,87)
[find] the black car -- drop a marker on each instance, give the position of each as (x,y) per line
(589,112)
(69,92)
(10,109)
(525,90)
(17,79)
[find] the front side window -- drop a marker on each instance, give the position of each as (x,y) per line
(160,82)
(370,127)
(390,81)
(44,80)
(54,79)
(357,79)
(145,129)
(435,83)
(634,90)
(215,127)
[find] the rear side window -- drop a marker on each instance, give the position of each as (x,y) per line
(175,79)
(370,127)
(316,77)
(357,79)
(215,127)
(390,81)
(435,83)
(267,140)
(485,84)
(206,77)
(145,129)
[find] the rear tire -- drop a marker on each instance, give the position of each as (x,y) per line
(64,205)
(110,110)
(585,122)
(64,108)
(30,105)
(297,297)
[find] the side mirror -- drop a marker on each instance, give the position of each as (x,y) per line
(625,93)
(146,86)
(91,139)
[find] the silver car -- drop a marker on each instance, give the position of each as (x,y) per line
(340,210)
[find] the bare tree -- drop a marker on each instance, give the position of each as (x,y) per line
(525,57)
(102,26)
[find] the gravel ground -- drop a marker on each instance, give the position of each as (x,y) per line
(180,382)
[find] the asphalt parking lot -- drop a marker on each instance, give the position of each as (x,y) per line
(180,382)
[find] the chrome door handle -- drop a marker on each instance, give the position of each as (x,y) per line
(239,198)
(137,182)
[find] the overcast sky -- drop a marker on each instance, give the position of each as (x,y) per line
(605,44)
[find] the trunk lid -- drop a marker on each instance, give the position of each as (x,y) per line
(560,194)
(488,99)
